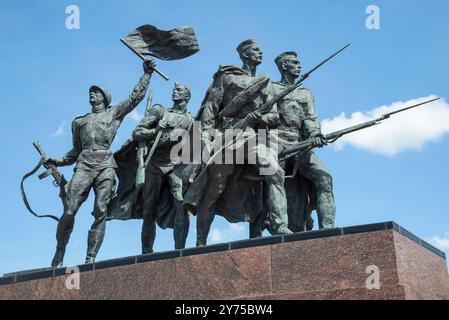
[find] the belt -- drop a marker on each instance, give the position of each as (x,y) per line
(292,129)
(96,148)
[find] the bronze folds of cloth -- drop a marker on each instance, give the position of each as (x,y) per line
(147,40)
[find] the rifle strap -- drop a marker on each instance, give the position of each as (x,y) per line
(156,141)
(24,197)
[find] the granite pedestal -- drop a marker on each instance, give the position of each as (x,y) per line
(328,264)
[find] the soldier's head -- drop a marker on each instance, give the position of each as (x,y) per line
(288,64)
(98,96)
(250,52)
(181,93)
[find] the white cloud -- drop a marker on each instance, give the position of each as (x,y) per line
(409,130)
(232,232)
(216,235)
(60,131)
(441,243)
(135,115)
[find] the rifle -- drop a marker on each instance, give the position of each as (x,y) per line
(142,149)
(59,181)
(241,124)
(156,141)
(334,136)
(254,88)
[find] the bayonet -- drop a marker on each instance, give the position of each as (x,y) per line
(334,136)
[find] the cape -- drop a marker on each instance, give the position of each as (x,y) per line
(241,201)
(127,202)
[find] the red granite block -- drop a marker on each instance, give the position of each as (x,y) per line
(42,289)
(223,275)
(150,280)
(323,268)
(386,292)
(423,273)
(333,263)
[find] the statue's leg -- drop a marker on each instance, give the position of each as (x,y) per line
(217,179)
(313,169)
(103,185)
(204,219)
(77,192)
(256,227)
(151,190)
(181,219)
(261,223)
(276,198)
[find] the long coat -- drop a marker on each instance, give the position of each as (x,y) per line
(240,199)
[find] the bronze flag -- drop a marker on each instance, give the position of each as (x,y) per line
(175,44)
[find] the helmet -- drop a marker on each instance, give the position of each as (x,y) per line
(104,92)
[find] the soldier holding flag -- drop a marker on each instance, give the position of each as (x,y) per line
(93,135)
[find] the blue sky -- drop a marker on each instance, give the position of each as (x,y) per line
(46,71)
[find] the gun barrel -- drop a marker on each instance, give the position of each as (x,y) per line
(333,136)
(305,75)
(357,127)
(291,151)
(410,107)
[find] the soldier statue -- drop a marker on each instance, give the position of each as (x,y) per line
(159,199)
(308,182)
(222,188)
(93,134)
(161,168)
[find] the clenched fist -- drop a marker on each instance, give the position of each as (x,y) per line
(148,65)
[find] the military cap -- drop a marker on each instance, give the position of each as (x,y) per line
(245,45)
(283,56)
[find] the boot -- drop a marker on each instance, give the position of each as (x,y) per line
(283,230)
(201,241)
(279,230)
(58,258)
(181,226)
(63,231)
(146,250)
(148,235)
(94,241)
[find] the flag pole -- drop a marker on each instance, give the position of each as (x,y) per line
(143,58)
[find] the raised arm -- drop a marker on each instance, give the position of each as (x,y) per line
(138,93)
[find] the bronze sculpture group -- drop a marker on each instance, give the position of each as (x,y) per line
(271,188)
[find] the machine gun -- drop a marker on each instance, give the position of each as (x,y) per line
(59,181)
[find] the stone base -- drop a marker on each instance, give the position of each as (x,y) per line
(328,264)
